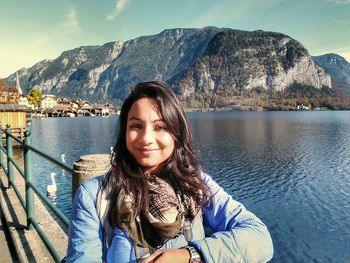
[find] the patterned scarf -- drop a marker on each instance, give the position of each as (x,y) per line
(164,218)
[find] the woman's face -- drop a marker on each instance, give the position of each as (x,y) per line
(147,136)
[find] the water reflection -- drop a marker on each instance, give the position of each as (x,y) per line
(292,169)
(52,197)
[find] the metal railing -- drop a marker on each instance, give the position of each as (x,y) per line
(30,188)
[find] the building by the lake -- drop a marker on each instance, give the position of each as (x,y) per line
(13,107)
(52,106)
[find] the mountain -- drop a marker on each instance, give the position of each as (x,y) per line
(74,73)
(155,57)
(338,68)
(208,63)
(238,60)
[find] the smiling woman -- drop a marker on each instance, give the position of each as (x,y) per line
(156,201)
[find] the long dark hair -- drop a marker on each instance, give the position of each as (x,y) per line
(182,169)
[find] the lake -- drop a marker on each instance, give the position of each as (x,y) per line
(292,169)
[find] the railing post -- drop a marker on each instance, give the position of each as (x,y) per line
(9,155)
(28,179)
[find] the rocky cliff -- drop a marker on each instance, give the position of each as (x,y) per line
(238,60)
(209,61)
(75,73)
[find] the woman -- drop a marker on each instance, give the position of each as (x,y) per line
(156,204)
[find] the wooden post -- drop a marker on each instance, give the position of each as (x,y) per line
(89,166)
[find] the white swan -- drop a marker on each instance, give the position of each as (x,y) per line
(62,158)
(52,188)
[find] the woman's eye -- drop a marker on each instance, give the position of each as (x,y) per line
(135,126)
(160,128)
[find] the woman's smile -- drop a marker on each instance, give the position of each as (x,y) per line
(147,151)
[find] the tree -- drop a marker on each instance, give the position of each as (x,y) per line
(34,96)
(308,105)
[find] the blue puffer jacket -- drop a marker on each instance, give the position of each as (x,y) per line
(238,235)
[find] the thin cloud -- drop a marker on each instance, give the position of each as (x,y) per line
(339,2)
(226,13)
(71,24)
(214,14)
(120,5)
(342,22)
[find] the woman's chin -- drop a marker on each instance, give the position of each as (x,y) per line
(151,169)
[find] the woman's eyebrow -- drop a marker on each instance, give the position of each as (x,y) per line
(134,119)
(138,119)
(158,120)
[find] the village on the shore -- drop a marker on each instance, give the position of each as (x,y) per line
(17,110)
(49,105)
(52,106)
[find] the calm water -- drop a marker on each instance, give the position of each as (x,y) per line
(292,169)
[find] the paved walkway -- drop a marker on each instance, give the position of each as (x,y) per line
(6,249)
(27,244)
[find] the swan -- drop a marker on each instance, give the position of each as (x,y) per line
(62,158)
(52,188)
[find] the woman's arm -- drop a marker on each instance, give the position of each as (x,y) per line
(85,231)
(239,236)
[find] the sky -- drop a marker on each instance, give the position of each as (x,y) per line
(33,30)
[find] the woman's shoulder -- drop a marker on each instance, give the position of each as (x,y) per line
(91,187)
(206,178)
(92,183)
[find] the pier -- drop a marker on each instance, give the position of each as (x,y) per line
(32,228)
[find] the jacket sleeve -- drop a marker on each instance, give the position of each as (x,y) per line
(238,235)
(85,232)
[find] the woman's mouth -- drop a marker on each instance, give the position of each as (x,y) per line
(147,151)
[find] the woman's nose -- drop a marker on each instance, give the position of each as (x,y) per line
(147,136)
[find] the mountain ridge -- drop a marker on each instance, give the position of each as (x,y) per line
(211,62)
(338,68)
